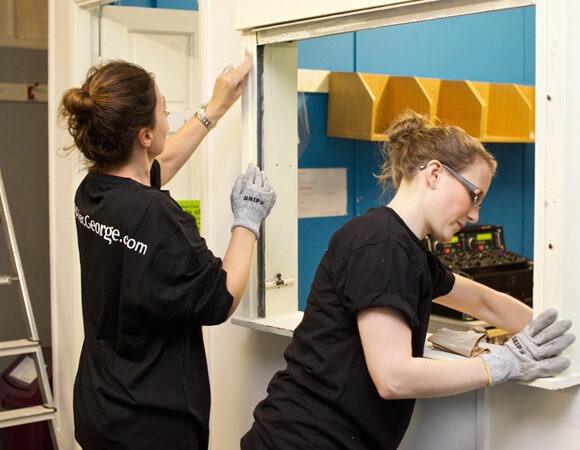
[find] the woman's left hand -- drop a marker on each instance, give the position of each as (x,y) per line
(227,89)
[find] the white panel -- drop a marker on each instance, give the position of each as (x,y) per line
(320,17)
(153,19)
(92,3)
(556,209)
(154,51)
(280,148)
(387,15)
(248,153)
(443,424)
(256,13)
(164,42)
(68,48)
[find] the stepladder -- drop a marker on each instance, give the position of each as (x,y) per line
(32,367)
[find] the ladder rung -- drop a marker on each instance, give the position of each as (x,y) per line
(18,347)
(20,416)
(7,279)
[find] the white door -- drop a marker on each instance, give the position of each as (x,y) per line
(165,43)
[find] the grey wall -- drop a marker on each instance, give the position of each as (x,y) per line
(24,166)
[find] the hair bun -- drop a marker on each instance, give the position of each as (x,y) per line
(78,102)
(407,125)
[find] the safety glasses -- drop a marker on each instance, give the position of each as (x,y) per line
(475,192)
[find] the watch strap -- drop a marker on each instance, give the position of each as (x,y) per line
(202,117)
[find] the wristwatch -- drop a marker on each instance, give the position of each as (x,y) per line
(201,116)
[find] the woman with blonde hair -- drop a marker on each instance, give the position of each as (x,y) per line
(355,363)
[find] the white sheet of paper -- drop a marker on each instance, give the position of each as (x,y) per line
(25,371)
(322,192)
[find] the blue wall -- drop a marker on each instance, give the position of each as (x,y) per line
(495,47)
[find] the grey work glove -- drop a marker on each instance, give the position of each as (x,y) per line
(533,352)
(252,199)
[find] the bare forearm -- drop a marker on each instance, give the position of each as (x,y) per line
(489,305)
(237,262)
(425,378)
(505,312)
(386,339)
(179,148)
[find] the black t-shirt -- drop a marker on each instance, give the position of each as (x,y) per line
(149,284)
(325,398)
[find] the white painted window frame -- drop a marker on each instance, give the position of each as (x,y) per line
(557,184)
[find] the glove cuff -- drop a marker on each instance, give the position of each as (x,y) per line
(248,227)
(496,372)
(488,372)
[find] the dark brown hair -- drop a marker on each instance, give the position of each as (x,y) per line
(414,140)
(105,115)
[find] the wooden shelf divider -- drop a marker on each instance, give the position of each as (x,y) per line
(491,112)
(356,105)
(362,106)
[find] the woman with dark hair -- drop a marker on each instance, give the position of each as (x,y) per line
(355,363)
(149,282)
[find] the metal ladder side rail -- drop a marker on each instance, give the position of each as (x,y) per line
(8,226)
(32,414)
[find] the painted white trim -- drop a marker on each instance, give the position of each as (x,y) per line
(92,3)
(22,92)
(253,13)
(283,324)
(556,213)
(388,15)
(280,161)
(33,44)
(69,58)
(313,81)
(248,153)
(482,419)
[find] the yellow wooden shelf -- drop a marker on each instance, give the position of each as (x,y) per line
(491,112)
(362,106)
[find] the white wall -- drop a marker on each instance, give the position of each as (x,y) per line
(64,67)
(241,361)
(526,418)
